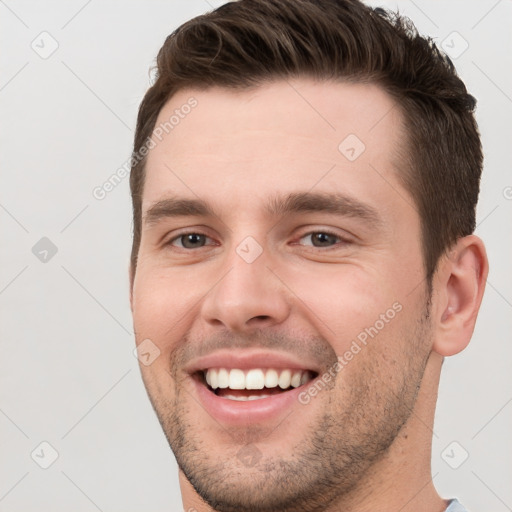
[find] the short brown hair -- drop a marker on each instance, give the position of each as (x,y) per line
(248,42)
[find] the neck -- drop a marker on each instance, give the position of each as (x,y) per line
(401,479)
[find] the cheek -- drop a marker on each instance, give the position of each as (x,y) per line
(341,301)
(157,309)
(160,309)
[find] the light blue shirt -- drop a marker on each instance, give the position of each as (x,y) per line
(455,506)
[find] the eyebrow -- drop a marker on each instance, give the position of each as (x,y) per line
(279,205)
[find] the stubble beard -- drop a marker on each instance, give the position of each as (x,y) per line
(362,416)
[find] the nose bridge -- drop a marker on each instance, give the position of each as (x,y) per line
(248,293)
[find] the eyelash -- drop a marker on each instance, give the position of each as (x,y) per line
(342,241)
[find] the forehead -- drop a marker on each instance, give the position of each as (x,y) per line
(279,137)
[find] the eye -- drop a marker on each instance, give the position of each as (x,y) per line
(319,239)
(189,240)
(323,239)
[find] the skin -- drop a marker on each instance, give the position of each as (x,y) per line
(364,442)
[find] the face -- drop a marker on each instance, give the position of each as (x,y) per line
(280,276)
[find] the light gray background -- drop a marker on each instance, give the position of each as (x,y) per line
(68,375)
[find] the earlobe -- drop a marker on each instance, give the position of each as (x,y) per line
(459,286)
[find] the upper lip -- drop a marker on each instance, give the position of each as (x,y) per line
(245,359)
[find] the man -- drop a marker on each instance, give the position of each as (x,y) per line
(304,184)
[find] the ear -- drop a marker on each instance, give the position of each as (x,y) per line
(131,277)
(458,286)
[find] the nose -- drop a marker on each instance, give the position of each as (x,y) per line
(247,296)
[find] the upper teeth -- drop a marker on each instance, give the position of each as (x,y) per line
(256,378)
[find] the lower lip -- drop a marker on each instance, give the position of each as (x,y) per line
(236,412)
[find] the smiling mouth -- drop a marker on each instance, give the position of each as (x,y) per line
(253,384)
